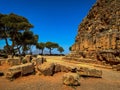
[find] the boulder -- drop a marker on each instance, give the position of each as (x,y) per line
(88,72)
(71,79)
(47,68)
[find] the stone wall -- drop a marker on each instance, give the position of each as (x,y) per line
(99,32)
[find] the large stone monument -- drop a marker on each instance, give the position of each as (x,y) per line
(98,35)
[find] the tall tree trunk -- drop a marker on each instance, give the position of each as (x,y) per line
(6,41)
(31,49)
(7,44)
(12,48)
(50,51)
(18,48)
(42,51)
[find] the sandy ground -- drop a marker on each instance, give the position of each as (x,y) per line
(109,81)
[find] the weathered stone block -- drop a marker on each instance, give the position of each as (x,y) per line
(71,79)
(57,68)
(87,72)
(28,58)
(12,61)
(64,68)
(20,70)
(116,67)
(99,32)
(47,68)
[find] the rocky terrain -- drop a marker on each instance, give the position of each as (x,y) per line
(110,79)
(98,35)
(93,64)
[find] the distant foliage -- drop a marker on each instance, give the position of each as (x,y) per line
(17,29)
(70,48)
(51,46)
(41,46)
(60,49)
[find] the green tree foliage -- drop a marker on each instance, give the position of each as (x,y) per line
(3,30)
(16,28)
(60,49)
(70,48)
(51,46)
(41,46)
(27,40)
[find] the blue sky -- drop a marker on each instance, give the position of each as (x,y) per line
(53,20)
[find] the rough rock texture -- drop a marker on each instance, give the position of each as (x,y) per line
(12,61)
(116,67)
(71,79)
(28,58)
(38,60)
(87,72)
(18,70)
(99,33)
(57,68)
(47,68)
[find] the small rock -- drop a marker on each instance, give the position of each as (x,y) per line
(71,79)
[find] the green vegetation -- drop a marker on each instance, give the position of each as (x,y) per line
(41,46)
(51,46)
(19,39)
(70,48)
(60,49)
(12,27)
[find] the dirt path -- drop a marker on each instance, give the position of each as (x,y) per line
(109,81)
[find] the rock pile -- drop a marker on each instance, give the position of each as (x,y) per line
(48,69)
